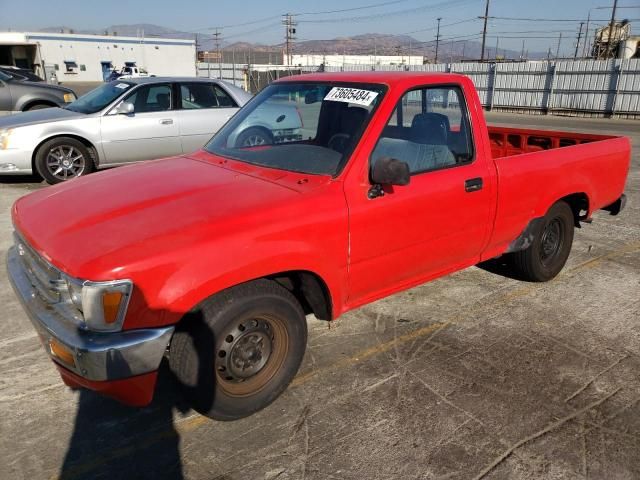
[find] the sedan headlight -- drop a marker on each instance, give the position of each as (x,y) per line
(5,135)
(69,97)
(103,304)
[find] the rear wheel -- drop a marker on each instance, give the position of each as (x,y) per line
(548,252)
(239,350)
(62,159)
(254,137)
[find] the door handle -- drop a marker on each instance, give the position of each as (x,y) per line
(473,184)
(166,121)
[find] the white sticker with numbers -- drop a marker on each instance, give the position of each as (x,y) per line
(351,95)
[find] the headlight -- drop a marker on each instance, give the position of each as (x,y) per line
(103,304)
(69,97)
(5,134)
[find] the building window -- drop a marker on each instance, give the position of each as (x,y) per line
(70,66)
(83,68)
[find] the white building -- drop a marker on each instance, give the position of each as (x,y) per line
(82,58)
(336,60)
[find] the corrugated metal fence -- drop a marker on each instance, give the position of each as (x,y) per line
(582,87)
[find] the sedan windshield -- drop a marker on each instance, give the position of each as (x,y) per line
(302,127)
(97,99)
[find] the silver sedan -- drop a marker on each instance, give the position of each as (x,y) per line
(120,122)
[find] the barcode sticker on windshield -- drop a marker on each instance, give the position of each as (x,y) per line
(122,85)
(351,95)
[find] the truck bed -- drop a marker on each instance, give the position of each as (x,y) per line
(535,168)
(507,141)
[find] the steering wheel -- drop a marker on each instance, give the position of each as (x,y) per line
(338,142)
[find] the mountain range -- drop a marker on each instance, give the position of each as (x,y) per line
(365,44)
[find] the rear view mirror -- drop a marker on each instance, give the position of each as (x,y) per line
(389,171)
(125,108)
(311,97)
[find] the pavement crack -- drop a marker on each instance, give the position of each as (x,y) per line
(549,428)
(593,379)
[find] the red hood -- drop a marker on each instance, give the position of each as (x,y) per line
(96,226)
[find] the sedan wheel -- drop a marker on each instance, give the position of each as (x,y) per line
(65,162)
(62,159)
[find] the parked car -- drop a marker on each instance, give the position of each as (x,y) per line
(216,257)
(117,123)
(20,73)
(17,95)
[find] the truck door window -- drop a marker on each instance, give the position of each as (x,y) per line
(429,130)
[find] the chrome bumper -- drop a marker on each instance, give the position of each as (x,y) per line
(97,356)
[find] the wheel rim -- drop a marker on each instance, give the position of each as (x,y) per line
(551,241)
(254,140)
(65,162)
(250,354)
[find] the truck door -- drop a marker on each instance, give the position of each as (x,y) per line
(150,132)
(440,220)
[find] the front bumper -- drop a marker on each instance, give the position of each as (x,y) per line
(96,357)
(14,161)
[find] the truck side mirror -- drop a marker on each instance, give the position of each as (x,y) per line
(125,108)
(388,171)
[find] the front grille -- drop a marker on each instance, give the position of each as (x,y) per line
(45,278)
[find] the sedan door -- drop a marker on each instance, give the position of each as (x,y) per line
(150,132)
(6,103)
(204,108)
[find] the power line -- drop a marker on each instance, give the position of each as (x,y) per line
(442,5)
(363,7)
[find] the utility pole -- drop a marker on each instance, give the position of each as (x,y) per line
(289,35)
(497,43)
(484,30)
(611,25)
(575,54)
(522,51)
(558,49)
(217,38)
(437,39)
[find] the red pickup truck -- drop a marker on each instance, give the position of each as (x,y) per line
(213,259)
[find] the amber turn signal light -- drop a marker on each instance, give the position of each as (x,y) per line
(111,305)
(61,352)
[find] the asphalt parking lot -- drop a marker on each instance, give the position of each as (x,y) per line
(472,376)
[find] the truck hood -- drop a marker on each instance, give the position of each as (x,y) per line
(97,227)
(35,117)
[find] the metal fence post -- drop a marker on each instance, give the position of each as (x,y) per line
(620,71)
(494,77)
(552,72)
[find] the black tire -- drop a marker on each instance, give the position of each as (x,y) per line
(253,137)
(216,342)
(38,106)
(61,150)
(548,252)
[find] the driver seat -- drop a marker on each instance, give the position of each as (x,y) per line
(350,120)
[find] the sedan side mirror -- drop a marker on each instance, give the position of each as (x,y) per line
(125,108)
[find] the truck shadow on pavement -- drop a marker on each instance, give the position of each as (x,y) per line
(112,440)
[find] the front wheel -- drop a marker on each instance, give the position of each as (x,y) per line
(548,252)
(62,159)
(239,350)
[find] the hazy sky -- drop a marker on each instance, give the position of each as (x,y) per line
(388,17)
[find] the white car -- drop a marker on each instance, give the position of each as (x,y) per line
(117,123)
(133,72)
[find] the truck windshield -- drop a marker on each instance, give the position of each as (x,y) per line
(99,98)
(302,127)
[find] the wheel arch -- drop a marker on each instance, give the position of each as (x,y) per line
(31,103)
(93,151)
